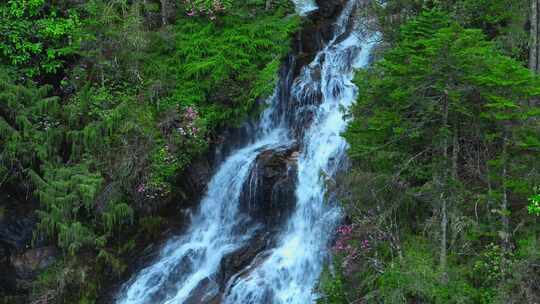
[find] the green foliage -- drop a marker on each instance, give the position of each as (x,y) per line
(29,127)
(331,286)
(150,226)
(503,21)
(416,277)
(534,203)
(434,61)
(164,168)
(489,270)
(443,117)
(223,68)
(127,107)
(208,7)
(66,281)
(116,215)
(67,194)
(37,39)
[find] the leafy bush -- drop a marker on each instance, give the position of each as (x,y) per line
(331,285)
(534,203)
(222,68)
(35,38)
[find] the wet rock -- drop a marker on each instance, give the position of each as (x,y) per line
(196,177)
(268,194)
(206,292)
(330,9)
(316,32)
(16,234)
(28,264)
(239,260)
(15,237)
(20,264)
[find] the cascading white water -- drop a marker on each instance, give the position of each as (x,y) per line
(291,271)
(304,7)
(288,272)
(186,261)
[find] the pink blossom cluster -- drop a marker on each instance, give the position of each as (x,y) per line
(190,117)
(345,230)
(343,244)
(210,8)
(349,258)
(152,192)
(365,244)
(344,236)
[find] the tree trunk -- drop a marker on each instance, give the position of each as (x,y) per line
(533,47)
(268,5)
(490,188)
(504,203)
(443,180)
(444,225)
(455,153)
(165,12)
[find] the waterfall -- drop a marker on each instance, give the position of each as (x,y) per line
(288,271)
(303,7)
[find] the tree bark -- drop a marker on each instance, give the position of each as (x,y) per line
(504,203)
(443,180)
(165,12)
(534,39)
(268,5)
(455,153)
(490,187)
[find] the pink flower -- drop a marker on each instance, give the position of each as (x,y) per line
(345,230)
(141,188)
(365,244)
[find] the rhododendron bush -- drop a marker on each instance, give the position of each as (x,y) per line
(209,8)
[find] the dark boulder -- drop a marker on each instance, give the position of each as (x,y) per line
(330,9)
(28,264)
(240,259)
(195,179)
(15,238)
(16,234)
(268,194)
(19,263)
(316,32)
(206,292)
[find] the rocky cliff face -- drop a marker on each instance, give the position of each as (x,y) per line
(316,32)
(19,262)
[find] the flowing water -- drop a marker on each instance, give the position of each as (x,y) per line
(310,115)
(303,7)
